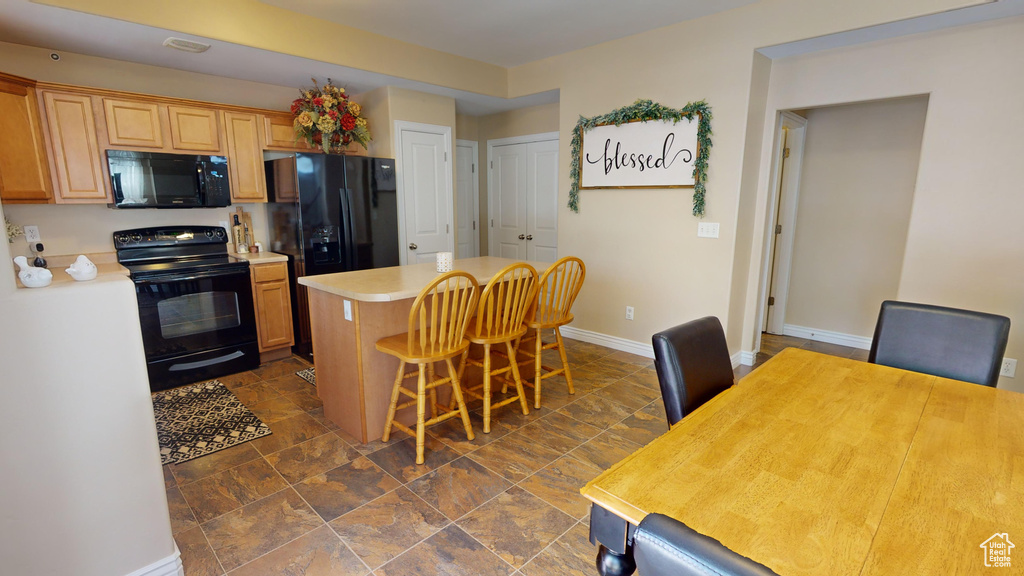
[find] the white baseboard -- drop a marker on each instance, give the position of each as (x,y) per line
(169,566)
(613,342)
(634,347)
(827,336)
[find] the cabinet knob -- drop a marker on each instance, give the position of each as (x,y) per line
(412,246)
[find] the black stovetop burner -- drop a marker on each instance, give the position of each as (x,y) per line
(174,250)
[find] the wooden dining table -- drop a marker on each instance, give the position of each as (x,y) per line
(814,464)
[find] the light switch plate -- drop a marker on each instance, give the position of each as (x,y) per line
(348,310)
(707,229)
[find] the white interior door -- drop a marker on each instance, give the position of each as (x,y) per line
(467,194)
(542,201)
(425,191)
(508,183)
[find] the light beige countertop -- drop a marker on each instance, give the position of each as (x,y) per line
(106,265)
(401,282)
(261,257)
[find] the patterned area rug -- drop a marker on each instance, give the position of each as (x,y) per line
(193,421)
(309,375)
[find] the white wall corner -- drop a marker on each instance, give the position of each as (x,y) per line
(827,336)
(169,566)
(614,342)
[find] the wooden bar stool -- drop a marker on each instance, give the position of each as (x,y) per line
(499,320)
(556,293)
(437,327)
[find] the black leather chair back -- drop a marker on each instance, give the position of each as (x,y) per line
(663,546)
(946,342)
(693,365)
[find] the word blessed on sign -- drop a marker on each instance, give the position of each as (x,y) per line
(647,154)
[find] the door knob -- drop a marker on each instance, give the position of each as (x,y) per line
(412,246)
(529,237)
(522,236)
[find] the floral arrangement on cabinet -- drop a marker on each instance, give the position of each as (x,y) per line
(327,119)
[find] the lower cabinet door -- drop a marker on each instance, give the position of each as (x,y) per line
(273,314)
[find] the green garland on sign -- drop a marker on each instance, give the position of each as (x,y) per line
(644,110)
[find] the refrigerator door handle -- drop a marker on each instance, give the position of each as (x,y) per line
(348,229)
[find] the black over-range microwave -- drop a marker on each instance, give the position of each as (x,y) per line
(157,180)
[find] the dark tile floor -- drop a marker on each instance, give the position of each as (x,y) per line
(309,500)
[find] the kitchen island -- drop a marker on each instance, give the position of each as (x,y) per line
(349,312)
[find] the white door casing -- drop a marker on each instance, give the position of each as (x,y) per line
(786,185)
(425,195)
(467,197)
(522,187)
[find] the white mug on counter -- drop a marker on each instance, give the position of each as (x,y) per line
(444,261)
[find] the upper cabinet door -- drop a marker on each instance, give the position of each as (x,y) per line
(24,174)
(245,157)
(279,132)
(194,129)
(133,124)
(77,163)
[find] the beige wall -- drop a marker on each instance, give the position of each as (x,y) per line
(83,491)
(963,242)
(641,246)
(856,188)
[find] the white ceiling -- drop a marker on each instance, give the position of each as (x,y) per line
(502,32)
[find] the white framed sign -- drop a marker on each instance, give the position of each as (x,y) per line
(640,154)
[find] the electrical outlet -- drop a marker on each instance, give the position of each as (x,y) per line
(629,312)
(32,234)
(1009,367)
(707,229)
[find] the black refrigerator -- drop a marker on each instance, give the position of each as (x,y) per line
(330,213)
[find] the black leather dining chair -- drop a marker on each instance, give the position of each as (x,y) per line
(663,546)
(693,365)
(947,342)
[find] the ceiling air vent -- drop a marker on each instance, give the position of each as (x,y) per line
(186,45)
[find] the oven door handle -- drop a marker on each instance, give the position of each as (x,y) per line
(163,279)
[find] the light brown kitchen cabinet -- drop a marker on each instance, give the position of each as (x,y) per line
(133,124)
(279,133)
(245,157)
(76,161)
(272,298)
(194,128)
(24,173)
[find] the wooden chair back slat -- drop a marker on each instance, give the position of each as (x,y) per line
(505,301)
(558,289)
(441,313)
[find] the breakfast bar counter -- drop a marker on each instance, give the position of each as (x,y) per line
(349,312)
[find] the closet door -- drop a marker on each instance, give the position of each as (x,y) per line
(523,184)
(542,201)
(508,185)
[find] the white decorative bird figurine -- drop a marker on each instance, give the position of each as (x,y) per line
(83,269)
(31,276)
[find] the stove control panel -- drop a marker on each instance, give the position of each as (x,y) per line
(169,236)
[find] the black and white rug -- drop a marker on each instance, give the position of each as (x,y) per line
(193,421)
(309,375)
